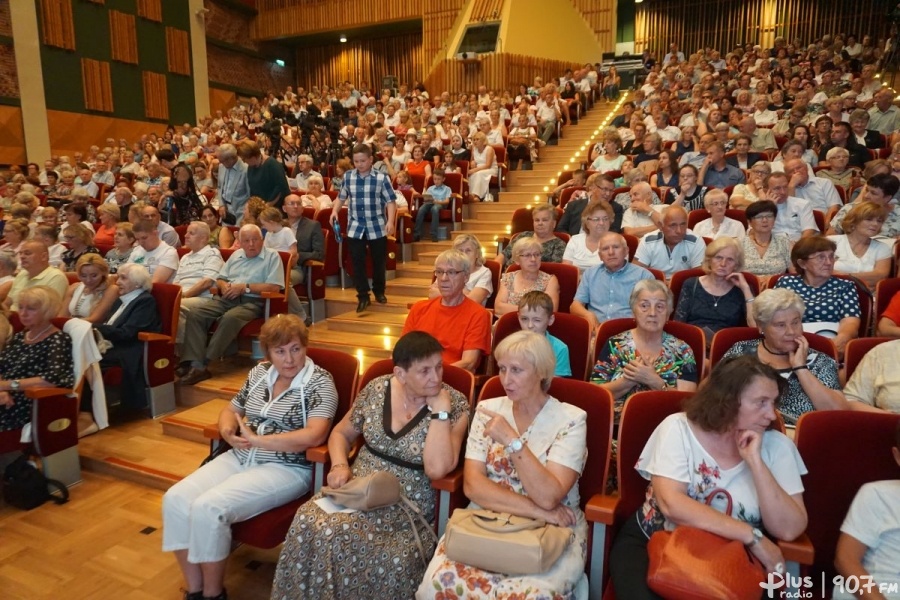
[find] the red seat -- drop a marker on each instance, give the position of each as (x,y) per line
(633,243)
(181,230)
(313,286)
(856,349)
(724,339)
(679,277)
(690,335)
(452,213)
(574,331)
(495,269)
(568,281)
(502,168)
(862,293)
(885,290)
(567,194)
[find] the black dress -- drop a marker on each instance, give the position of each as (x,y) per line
(711,313)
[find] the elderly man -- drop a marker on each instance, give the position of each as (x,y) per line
(249,273)
(166,232)
(884,117)
(310,239)
(461,325)
(819,192)
(673,248)
(795,217)
(642,216)
(34,259)
(304,172)
(102,175)
(599,187)
(197,271)
(159,258)
(123,198)
(84,180)
(233,190)
(698,158)
(761,140)
(716,172)
(604,289)
(154,174)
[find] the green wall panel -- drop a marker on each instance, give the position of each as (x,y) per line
(128,91)
(151,46)
(181,99)
(62,80)
(91,30)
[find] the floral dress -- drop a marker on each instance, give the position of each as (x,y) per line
(509,281)
(370,554)
(558,434)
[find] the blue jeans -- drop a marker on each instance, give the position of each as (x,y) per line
(435,209)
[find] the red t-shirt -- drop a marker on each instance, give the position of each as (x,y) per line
(458,328)
(893,310)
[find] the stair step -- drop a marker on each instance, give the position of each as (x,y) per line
(374,324)
(358,344)
(415,269)
(346,301)
(408,286)
(188,424)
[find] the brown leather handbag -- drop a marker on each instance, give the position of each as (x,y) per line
(693,564)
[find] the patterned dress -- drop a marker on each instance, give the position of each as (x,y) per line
(50,359)
(558,434)
(369,554)
(509,281)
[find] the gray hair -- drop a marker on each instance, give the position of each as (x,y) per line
(455,259)
(249,228)
(535,349)
(719,244)
(524,244)
(226,151)
(138,274)
(467,238)
(774,300)
(203,227)
(651,286)
(8,261)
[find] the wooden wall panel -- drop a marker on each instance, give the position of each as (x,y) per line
(228,25)
(75,132)
(365,60)
(723,24)
(287,18)
(97,85)
(5,19)
(238,70)
(156,100)
(221,100)
(12,136)
(123,37)
(495,71)
(150,9)
(437,24)
(178,51)
(486,10)
(57,24)
(601,17)
(9,77)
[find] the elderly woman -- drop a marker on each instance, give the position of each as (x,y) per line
(524,465)
(583,249)
(482,168)
(39,356)
(15,232)
(543,218)
(133,311)
(411,425)
(812,377)
(722,440)
(80,242)
(718,225)
(109,215)
(720,298)
(285,406)
(119,254)
(480,283)
(513,285)
(314,196)
(857,252)
(646,357)
(417,165)
(837,172)
(219,235)
(765,253)
(92,297)
(832,304)
(611,159)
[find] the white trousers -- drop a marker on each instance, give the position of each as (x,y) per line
(198,510)
(479,182)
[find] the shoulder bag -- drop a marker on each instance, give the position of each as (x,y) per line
(25,487)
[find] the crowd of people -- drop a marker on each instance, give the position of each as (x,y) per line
(787,154)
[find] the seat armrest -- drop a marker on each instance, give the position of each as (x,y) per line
(37,393)
(313,263)
(451,482)
(800,550)
(211,432)
(317,454)
(272,295)
(601,508)
(146,336)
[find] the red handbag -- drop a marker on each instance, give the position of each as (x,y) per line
(694,564)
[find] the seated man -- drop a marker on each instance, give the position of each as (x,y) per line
(166,232)
(461,325)
(795,216)
(34,258)
(604,290)
(600,186)
(674,248)
(761,139)
(197,271)
(159,258)
(889,323)
(879,189)
(716,171)
(820,193)
(875,384)
(310,246)
(249,272)
(642,216)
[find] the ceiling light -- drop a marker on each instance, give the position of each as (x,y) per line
(343,39)
(279,62)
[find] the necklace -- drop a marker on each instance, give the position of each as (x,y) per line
(772,351)
(32,338)
(409,412)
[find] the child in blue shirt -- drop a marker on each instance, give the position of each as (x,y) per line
(536,315)
(436,197)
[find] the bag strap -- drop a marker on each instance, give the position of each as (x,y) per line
(500,523)
(413,513)
(394,460)
(61,488)
(720,492)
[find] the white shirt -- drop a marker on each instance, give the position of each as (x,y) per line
(848,262)
(578,253)
(820,193)
(281,240)
(196,266)
(728,228)
(481,278)
(794,217)
(163,255)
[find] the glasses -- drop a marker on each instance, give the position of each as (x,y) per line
(822,257)
(598,219)
(530,255)
(293,204)
(718,203)
(764,217)
(438,273)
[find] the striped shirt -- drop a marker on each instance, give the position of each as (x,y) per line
(312,389)
(366,197)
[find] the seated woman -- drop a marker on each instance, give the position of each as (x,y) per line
(743,158)
(39,356)
(133,312)
(480,284)
(8,266)
(646,357)
(611,84)
(832,304)
(15,232)
(837,171)
(765,253)
(80,242)
(285,406)
(76,213)
(314,196)
(689,194)
(583,249)
(745,194)
(219,235)
(482,168)
(720,298)
(812,377)
(417,165)
(666,171)
(411,425)
(119,254)
(527,254)
(524,465)
(92,297)
(718,225)
(858,253)
(109,215)
(611,159)
(724,431)
(543,218)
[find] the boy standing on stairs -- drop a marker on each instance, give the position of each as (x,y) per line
(436,197)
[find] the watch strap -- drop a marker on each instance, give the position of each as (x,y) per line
(441,415)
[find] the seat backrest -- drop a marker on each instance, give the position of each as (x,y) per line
(168,304)
(344,369)
(574,331)
(866,458)
(724,339)
(495,269)
(633,242)
(567,194)
(884,292)
(856,349)
(568,281)
(459,379)
(697,215)
(689,334)
(643,412)
(678,279)
(521,221)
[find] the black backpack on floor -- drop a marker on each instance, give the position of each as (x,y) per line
(25,487)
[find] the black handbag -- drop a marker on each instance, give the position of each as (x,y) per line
(25,487)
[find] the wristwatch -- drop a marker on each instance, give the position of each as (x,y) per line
(757,535)
(441,415)
(514,446)
(247,288)
(14,385)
